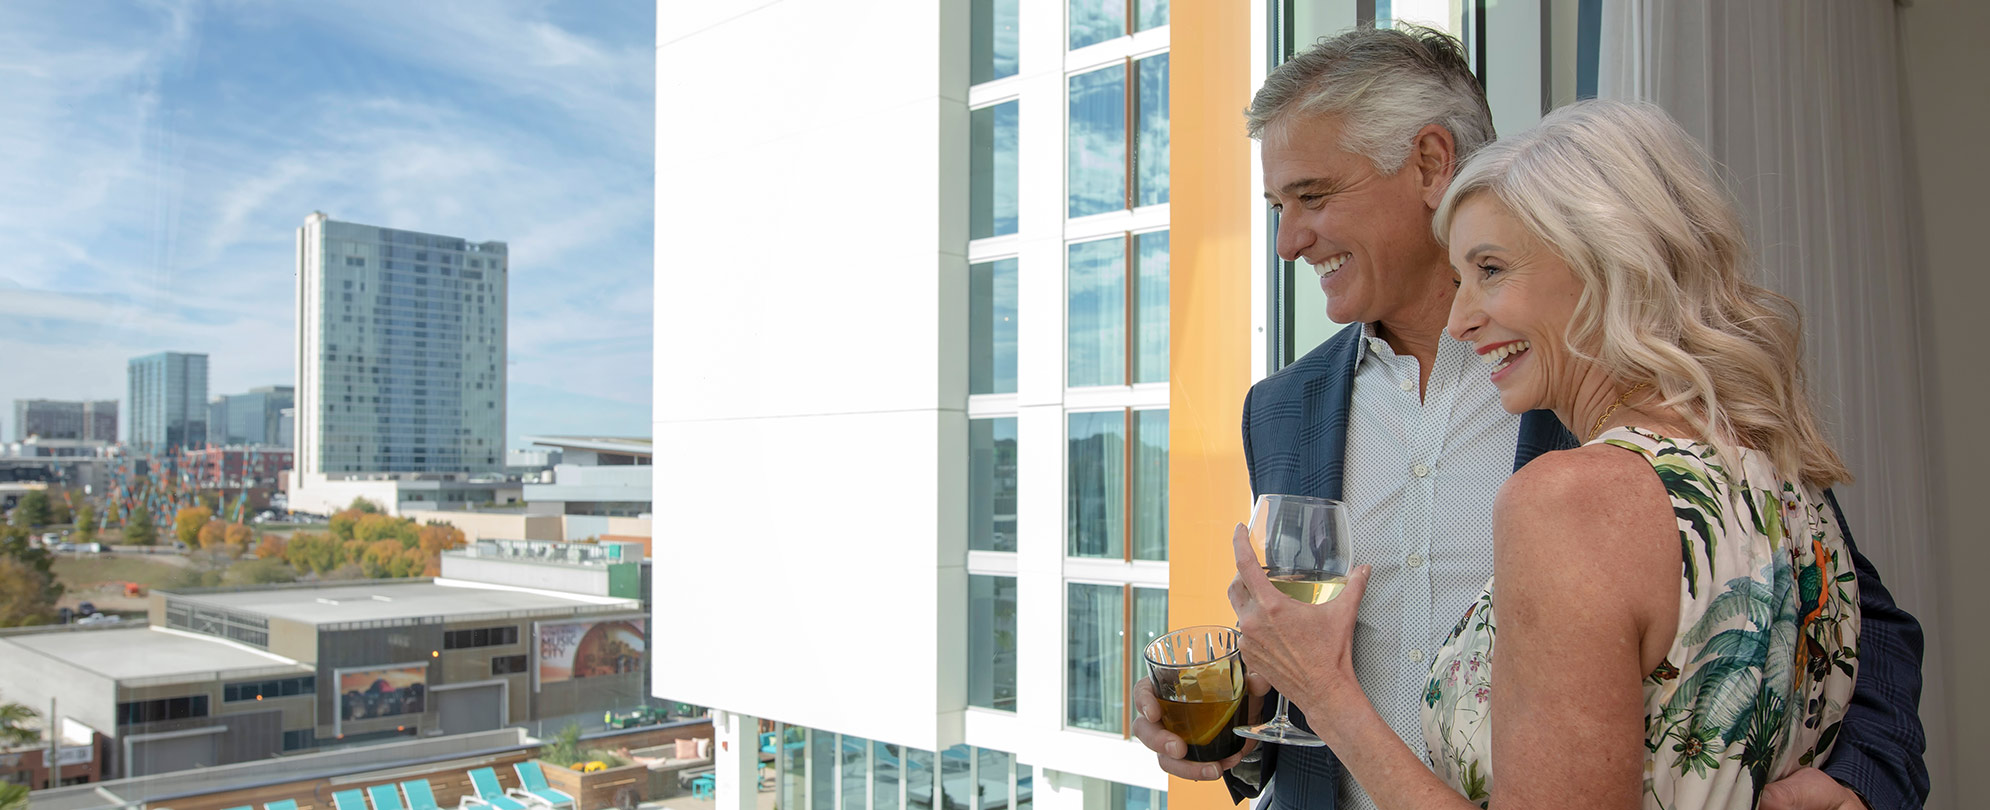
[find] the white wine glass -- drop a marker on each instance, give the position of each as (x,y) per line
(1304,546)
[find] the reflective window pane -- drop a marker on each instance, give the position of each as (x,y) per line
(1096,319)
(1097,161)
(991,451)
(992,773)
(1150,284)
(854,772)
(1095,661)
(1025,787)
(822,770)
(918,779)
(991,642)
(1150,14)
(993,52)
(1150,621)
(1150,485)
(956,784)
(794,766)
(1150,154)
(884,777)
(1129,797)
(991,179)
(1095,499)
(991,326)
(1095,21)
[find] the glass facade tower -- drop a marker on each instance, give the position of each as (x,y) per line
(168,395)
(401,351)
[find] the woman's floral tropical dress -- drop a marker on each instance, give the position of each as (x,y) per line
(1763,664)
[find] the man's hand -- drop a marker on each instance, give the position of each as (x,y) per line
(1168,748)
(1809,789)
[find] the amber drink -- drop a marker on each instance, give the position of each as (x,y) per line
(1199,677)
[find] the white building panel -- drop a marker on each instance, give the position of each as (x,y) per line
(822,561)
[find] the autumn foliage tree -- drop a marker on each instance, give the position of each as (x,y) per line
(211,534)
(187,524)
(380,546)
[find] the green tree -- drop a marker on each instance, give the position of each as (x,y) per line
(16,546)
(86,521)
(27,596)
(138,530)
(13,797)
(364,505)
(13,729)
(33,510)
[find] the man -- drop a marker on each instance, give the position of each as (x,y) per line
(1361,136)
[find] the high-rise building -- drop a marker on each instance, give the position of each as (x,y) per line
(254,418)
(168,395)
(62,419)
(400,351)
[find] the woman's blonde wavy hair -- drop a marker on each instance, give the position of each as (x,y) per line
(1635,208)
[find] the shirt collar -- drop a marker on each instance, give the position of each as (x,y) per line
(1450,352)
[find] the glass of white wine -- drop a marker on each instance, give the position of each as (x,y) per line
(1304,545)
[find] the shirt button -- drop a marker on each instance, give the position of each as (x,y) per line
(1409,385)
(1414,560)
(1420,471)
(1416,654)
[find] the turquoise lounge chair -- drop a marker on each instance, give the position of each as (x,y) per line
(354,799)
(534,782)
(243,807)
(385,797)
(490,793)
(418,794)
(286,804)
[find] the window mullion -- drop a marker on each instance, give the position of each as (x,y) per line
(1132,127)
(1126,661)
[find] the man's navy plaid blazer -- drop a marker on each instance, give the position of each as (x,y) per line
(1295,439)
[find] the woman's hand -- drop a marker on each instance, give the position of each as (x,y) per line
(1305,651)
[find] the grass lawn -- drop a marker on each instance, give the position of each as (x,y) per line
(78,572)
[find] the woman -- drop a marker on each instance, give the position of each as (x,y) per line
(1677,618)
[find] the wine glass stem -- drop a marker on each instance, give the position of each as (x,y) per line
(1280,719)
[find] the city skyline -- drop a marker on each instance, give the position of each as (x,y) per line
(164,157)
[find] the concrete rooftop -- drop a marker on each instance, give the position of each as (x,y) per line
(139,652)
(384,599)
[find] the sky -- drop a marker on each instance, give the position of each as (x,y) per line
(157,158)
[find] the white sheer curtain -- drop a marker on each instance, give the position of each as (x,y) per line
(1799,101)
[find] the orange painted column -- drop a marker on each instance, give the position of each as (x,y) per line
(1209,323)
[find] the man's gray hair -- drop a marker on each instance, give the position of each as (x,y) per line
(1383,85)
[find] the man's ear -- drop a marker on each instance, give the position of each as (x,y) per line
(1434,157)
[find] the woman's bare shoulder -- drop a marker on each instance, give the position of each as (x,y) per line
(1570,497)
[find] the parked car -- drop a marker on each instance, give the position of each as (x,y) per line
(87,608)
(65,547)
(100,618)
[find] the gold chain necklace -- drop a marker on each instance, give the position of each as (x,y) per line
(1597,429)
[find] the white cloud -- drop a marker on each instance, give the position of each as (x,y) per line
(158,165)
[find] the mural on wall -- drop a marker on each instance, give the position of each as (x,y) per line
(382,692)
(590,649)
